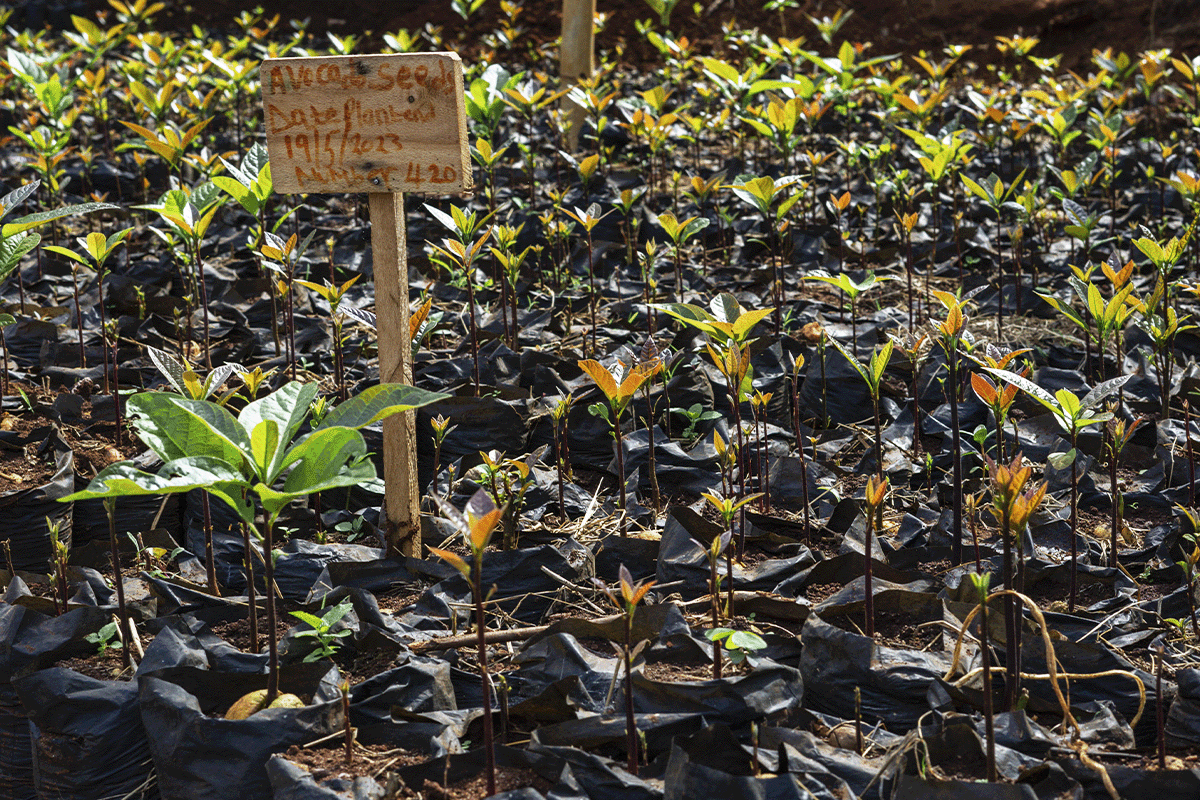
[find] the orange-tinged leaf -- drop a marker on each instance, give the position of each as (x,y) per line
(642,589)
(454,560)
(418,317)
(984,388)
(947,299)
(601,376)
(482,527)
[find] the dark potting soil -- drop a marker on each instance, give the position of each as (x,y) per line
(664,672)
(1054,596)
(106,666)
(391,602)
(21,467)
(237,631)
(370,761)
(355,666)
(899,629)
(475,787)
(818,592)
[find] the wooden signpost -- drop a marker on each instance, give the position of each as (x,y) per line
(385,125)
(577,58)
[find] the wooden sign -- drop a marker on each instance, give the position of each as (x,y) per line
(383,124)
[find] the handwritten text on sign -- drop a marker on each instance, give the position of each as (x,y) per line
(385,123)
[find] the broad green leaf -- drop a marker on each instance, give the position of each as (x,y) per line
(725,307)
(255,160)
(17,196)
(264,444)
(1027,386)
(33,220)
(1062,460)
(180,475)
(689,314)
(879,361)
(13,249)
(171,368)
(977,190)
(376,403)
(721,70)
(179,427)
(1068,402)
(287,407)
(62,251)
(323,460)
(1103,390)
(312,620)
(745,640)
(746,322)
(1151,250)
(242,194)
(219,375)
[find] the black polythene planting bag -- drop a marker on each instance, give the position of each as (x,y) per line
(88,739)
(200,757)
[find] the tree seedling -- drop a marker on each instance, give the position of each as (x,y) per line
(626,599)
(876,492)
(872,375)
(619,385)
(853,289)
(1012,506)
(728,507)
(737,644)
(1072,415)
(251,460)
(476,523)
(322,633)
(950,333)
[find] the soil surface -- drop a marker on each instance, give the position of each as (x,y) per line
(329,761)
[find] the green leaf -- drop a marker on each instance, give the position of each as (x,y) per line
(1103,390)
(717,634)
(264,444)
(287,407)
(13,249)
(859,368)
(239,192)
(17,196)
(879,361)
(311,619)
(180,475)
(689,314)
(171,368)
(745,640)
(1151,249)
(33,220)
(1062,460)
(977,190)
(325,459)
(1027,386)
(376,403)
(62,251)
(178,427)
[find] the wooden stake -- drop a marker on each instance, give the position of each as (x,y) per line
(389,248)
(577,58)
(384,125)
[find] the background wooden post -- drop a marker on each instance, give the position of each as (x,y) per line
(389,251)
(577,59)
